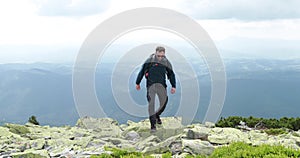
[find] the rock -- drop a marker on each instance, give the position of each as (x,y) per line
(182,155)
(81,132)
(31,153)
(59,152)
(150,141)
(210,124)
(171,136)
(17,129)
(290,143)
(103,126)
(28,124)
(172,122)
(175,147)
(257,137)
(169,145)
(171,126)
(115,141)
(198,147)
(142,128)
(5,132)
(132,136)
(81,141)
(37,144)
(97,143)
(126,146)
(227,135)
(123,126)
(198,132)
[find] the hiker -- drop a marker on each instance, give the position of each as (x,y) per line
(155,69)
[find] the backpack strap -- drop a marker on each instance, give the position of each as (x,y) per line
(149,64)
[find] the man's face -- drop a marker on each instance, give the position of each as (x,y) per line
(160,55)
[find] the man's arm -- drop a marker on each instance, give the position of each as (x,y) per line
(141,74)
(171,75)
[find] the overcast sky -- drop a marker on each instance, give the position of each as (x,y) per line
(53,30)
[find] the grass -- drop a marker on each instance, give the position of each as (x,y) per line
(234,150)
(239,149)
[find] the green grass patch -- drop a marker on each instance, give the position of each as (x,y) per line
(276,131)
(234,150)
(239,149)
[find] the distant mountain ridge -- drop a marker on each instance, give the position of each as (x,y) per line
(256,87)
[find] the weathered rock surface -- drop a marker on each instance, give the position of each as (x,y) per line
(91,135)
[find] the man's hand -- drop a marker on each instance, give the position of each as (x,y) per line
(137,87)
(173,90)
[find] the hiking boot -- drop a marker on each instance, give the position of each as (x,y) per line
(153,128)
(158,120)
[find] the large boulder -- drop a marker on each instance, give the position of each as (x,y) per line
(258,137)
(172,144)
(132,136)
(148,142)
(197,147)
(198,132)
(171,126)
(104,127)
(227,135)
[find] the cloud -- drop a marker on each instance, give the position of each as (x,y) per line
(260,48)
(71,7)
(242,9)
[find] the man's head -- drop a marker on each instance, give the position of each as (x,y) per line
(160,52)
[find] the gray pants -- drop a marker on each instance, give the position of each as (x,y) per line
(161,92)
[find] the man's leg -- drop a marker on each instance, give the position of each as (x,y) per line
(163,100)
(151,106)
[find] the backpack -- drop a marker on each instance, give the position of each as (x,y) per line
(151,58)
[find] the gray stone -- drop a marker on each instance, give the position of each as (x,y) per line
(171,136)
(150,141)
(175,147)
(227,135)
(198,132)
(198,147)
(258,137)
(210,124)
(60,152)
(171,126)
(115,141)
(164,146)
(132,135)
(32,153)
(97,143)
(103,126)
(37,144)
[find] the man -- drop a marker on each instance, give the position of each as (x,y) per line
(155,69)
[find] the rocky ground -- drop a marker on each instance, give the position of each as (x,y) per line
(90,136)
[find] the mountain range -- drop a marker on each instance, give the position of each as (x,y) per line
(255,87)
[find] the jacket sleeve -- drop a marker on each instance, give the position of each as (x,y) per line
(142,72)
(171,74)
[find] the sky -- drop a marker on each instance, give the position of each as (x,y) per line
(53,30)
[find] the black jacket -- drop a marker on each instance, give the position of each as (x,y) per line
(157,72)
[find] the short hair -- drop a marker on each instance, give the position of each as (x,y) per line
(160,48)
